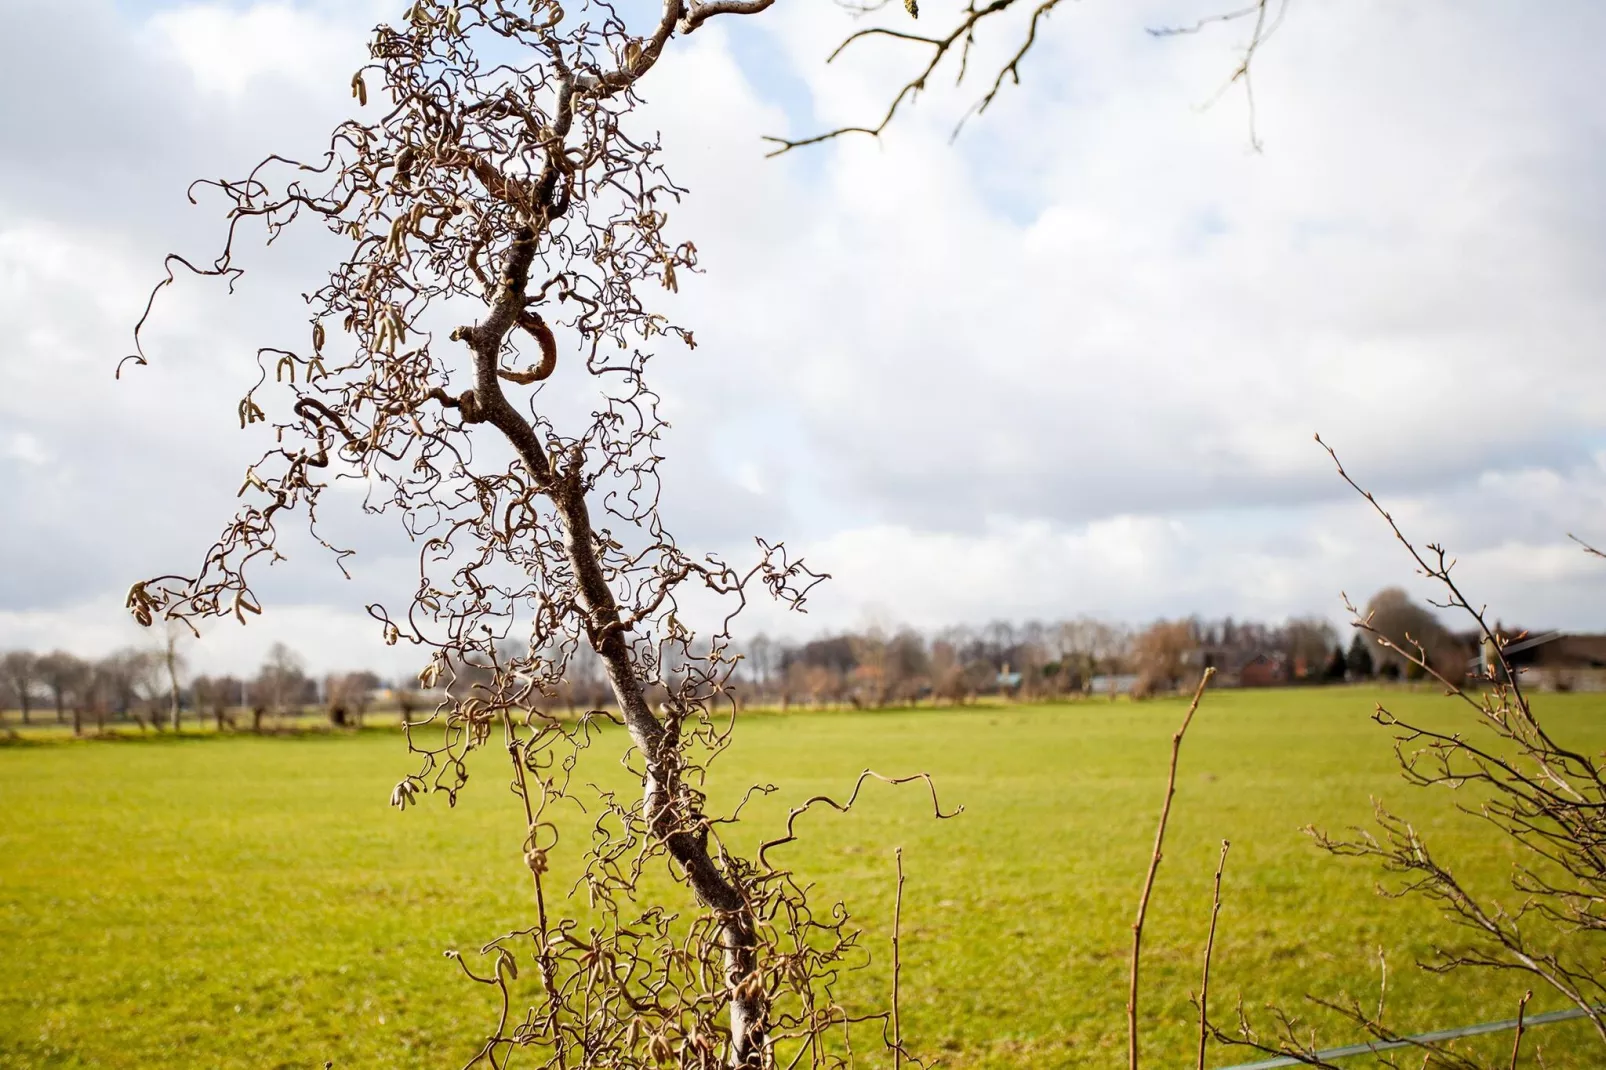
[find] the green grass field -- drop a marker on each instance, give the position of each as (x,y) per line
(254,902)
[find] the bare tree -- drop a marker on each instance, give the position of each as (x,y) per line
(1086,647)
(1161,653)
(1396,624)
(65,676)
(216,695)
(908,666)
(279,686)
(871,682)
(20,671)
(96,697)
(1307,641)
(505,185)
(129,685)
(173,663)
(348,696)
(585,681)
(947,674)
(761,658)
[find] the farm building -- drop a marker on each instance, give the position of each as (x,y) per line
(1112,684)
(1263,670)
(1556,661)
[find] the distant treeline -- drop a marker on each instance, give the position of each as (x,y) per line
(869,668)
(151,688)
(1038,660)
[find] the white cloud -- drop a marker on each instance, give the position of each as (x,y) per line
(1213,563)
(227,49)
(21,446)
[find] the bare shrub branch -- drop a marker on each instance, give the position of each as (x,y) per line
(1587,548)
(953,48)
(1545,799)
(1203,1000)
(1516,1041)
(1154,869)
(897,964)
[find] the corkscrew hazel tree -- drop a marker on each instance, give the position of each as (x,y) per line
(507,186)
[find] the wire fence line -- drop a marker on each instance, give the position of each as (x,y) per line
(1375,1046)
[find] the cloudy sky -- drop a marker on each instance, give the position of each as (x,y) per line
(1070,363)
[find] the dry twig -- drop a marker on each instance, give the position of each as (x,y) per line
(1264,17)
(1210,946)
(1516,1041)
(1154,868)
(897,963)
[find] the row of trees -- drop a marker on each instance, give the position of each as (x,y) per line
(151,687)
(1037,660)
(869,668)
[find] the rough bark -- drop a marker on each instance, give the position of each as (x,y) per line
(683,832)
(170,660)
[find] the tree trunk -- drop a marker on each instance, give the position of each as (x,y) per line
(683,833)
(172,682)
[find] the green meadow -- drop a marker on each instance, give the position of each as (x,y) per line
(243,901)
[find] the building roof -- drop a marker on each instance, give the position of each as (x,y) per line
(1558,648)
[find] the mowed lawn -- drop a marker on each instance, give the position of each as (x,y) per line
(255,902)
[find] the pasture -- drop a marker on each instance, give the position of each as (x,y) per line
(255,902)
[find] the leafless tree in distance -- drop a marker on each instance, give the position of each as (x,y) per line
(173,663)
(1160,653)
(65,676)
(278,687)
(19,669)
(215,695)
(348,696)
(127,682)
(1396,623)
